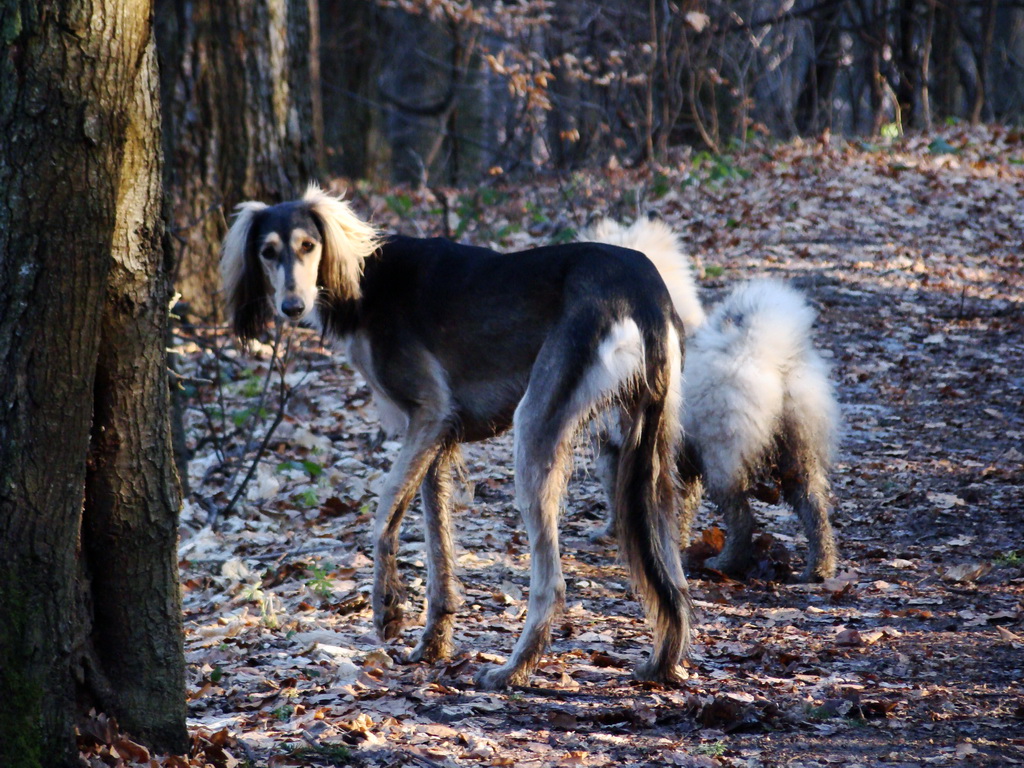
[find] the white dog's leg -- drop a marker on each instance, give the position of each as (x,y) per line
(809,498)
(739,522)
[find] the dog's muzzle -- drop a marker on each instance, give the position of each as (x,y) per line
(293,307)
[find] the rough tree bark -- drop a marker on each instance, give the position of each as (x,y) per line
(350,55)
(79,180)
(130,530)
(238,82)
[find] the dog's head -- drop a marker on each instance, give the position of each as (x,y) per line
(276,259)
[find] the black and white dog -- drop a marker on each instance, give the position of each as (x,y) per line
(460,343)
(757,402)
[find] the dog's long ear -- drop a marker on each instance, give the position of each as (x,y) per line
(347,242)
(245,286)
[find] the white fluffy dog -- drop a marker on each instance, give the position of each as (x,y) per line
(758,404)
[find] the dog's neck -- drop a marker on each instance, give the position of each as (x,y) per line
(337,318)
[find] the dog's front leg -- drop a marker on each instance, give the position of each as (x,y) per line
(399,488)
(443,598)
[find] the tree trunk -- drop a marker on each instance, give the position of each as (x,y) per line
(983,56)
(241,119)
(946,74)
(908,65)
(563,127)
(79,122)
(925,76)
(350,50)
(130,522)
(814,105)
(419,85)
(877,34)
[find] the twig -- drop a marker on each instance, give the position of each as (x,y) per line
(415,754)
(284,394)
(212,520)
(445,210)
(212,436)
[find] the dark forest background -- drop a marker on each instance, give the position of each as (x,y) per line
(260,96)
(444,90)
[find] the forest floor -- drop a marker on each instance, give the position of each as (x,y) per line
(913,655)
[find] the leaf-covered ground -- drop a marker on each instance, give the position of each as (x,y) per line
(913,656)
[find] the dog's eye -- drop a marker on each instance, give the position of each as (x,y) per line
(307,246)
(268,253)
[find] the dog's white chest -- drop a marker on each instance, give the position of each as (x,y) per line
(393,420)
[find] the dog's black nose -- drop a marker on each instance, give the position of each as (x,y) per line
(293,307)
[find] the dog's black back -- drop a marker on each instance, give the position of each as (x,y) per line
(484,315)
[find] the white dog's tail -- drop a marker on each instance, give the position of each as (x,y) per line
(762,320)
(656,240)
(763,327)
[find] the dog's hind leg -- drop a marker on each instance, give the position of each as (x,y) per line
(648,534)
(542,458)
(735,556)
(575,373)
(691,492)
(689,504)
(443,598)
(807,493)
(606,443)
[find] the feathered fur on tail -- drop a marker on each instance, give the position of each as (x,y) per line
(645,499)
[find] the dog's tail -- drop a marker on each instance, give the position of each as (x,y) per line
(762,321)
(751,366)
(656,240)
(645,497)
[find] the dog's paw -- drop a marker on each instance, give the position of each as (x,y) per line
(431,649)
(388,622)
(734,565)
(653,672)
(498,678)
(603,534)
(815,573)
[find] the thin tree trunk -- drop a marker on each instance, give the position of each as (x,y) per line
(946,74)
(909,69)
(983,56)
(562,122)
(877,34)
(925,59)
(652,19)
(351,56)
(814,105)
